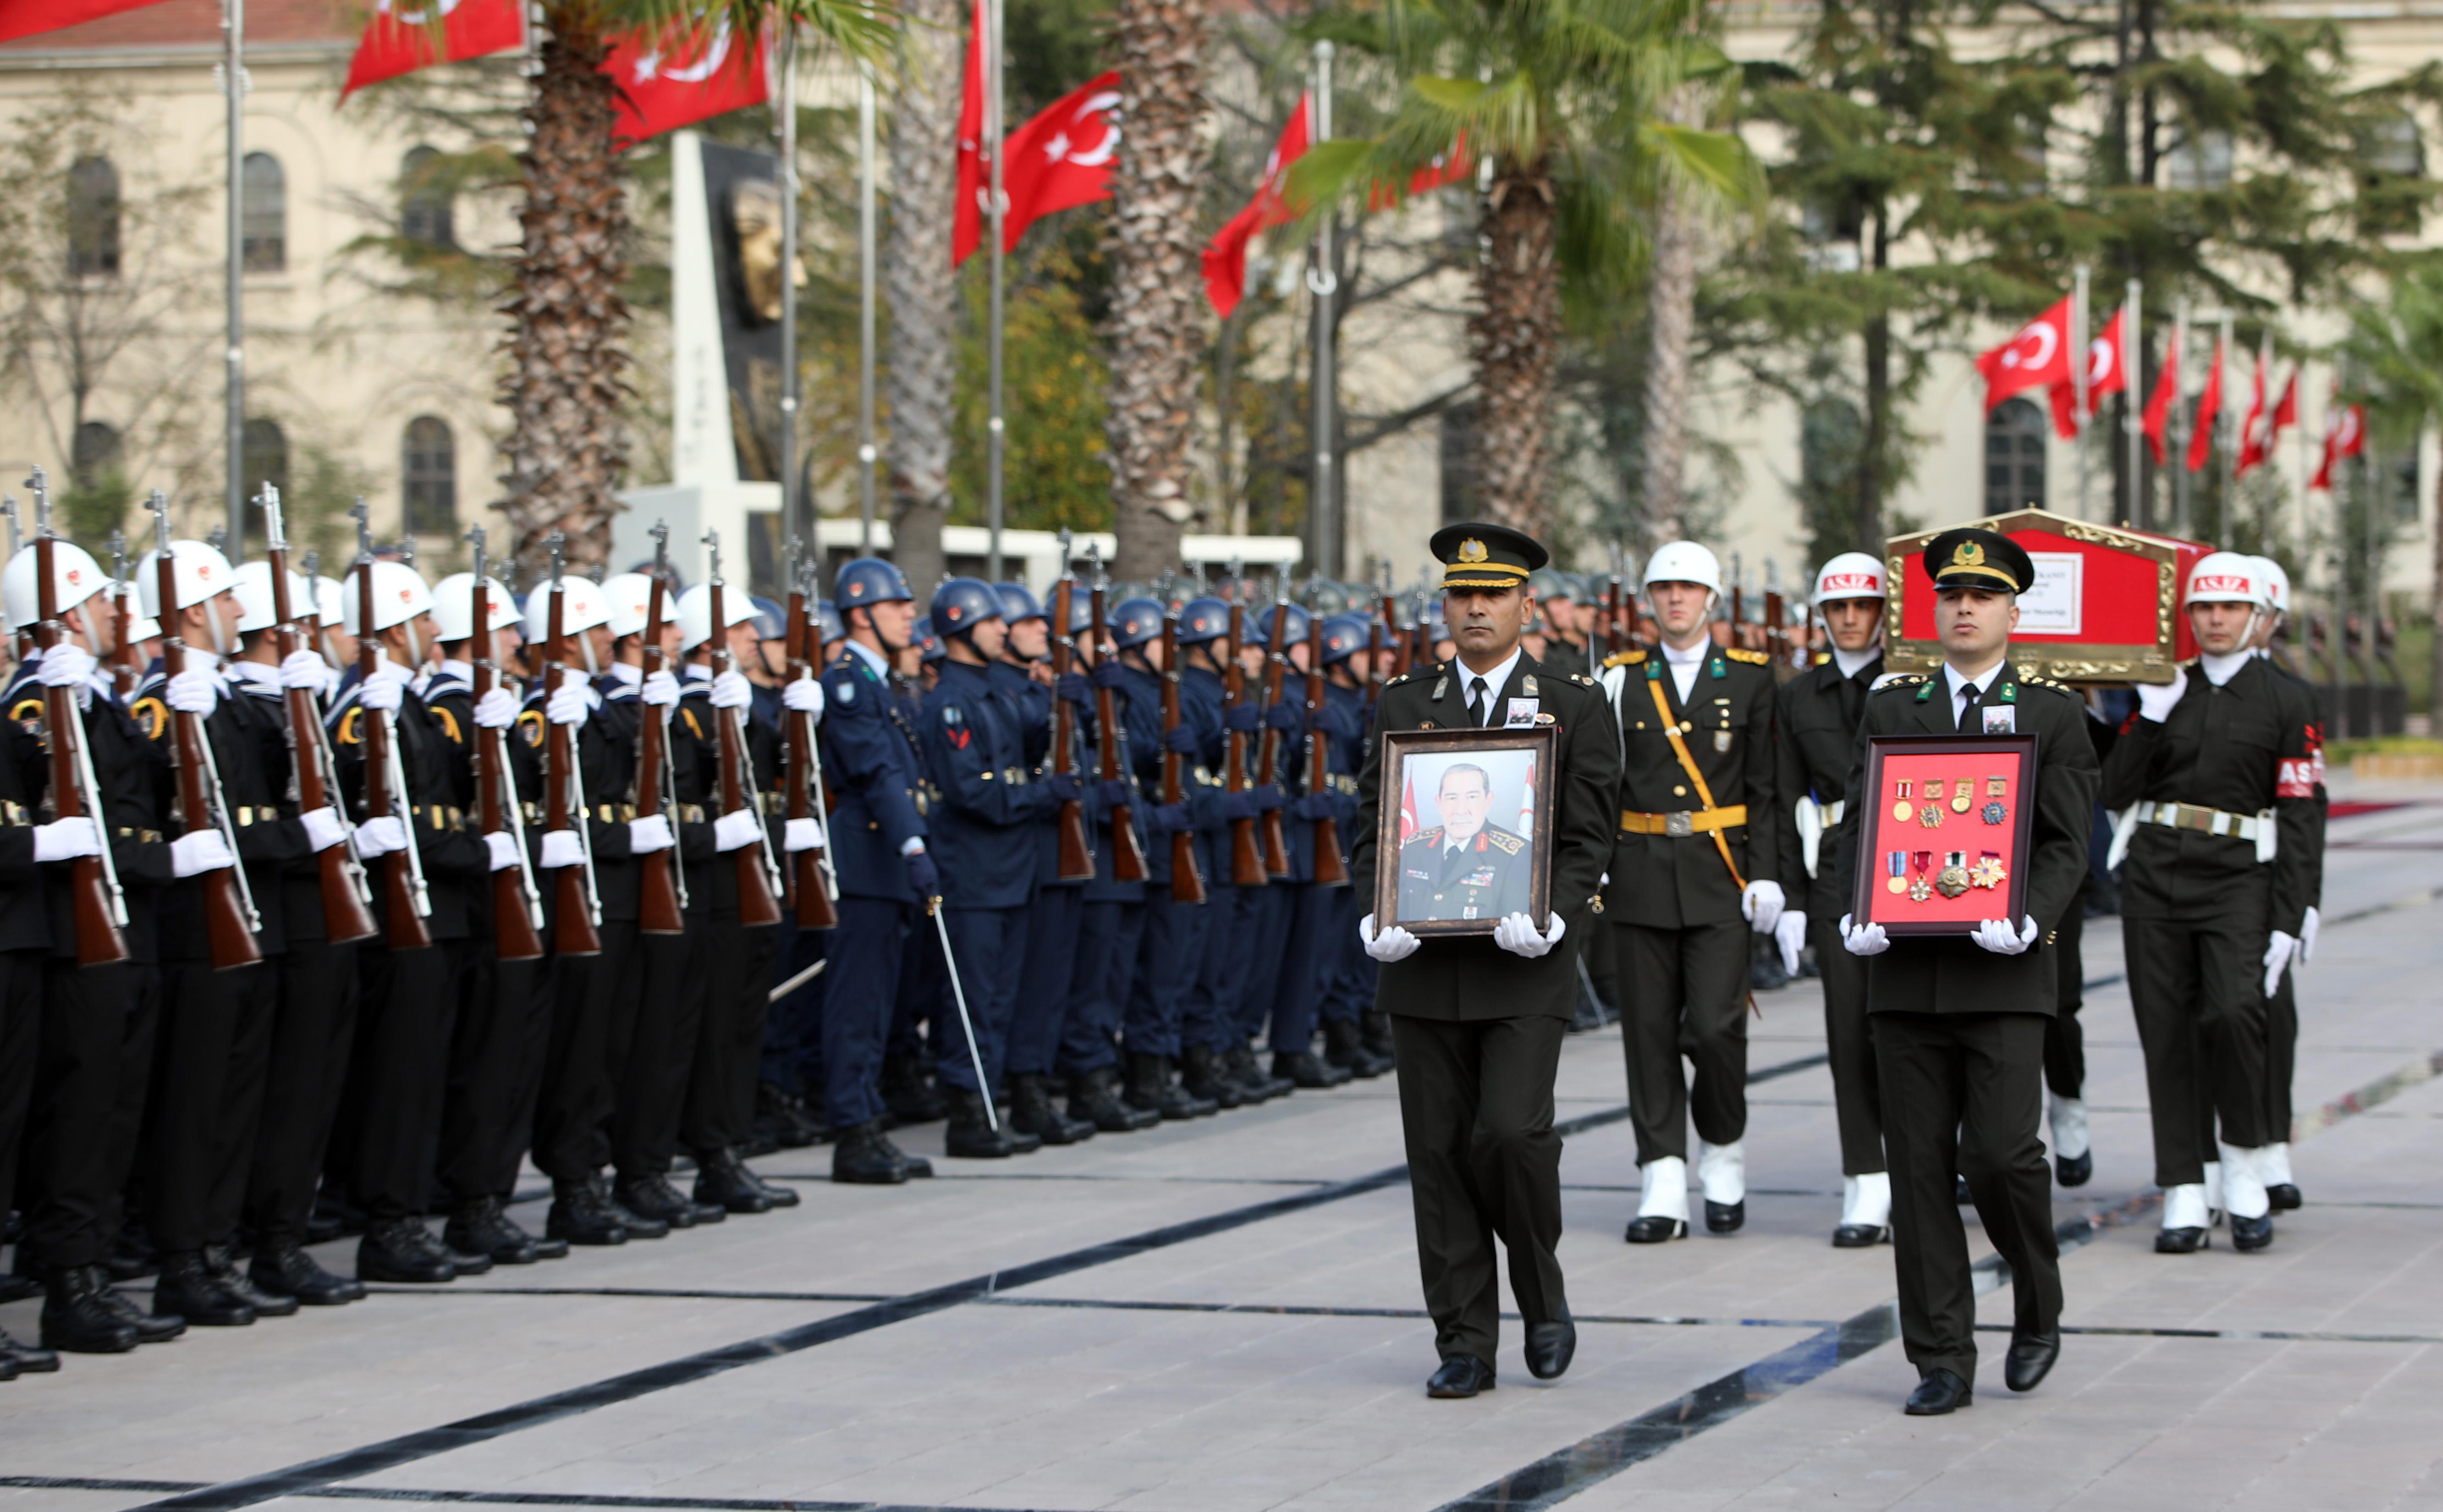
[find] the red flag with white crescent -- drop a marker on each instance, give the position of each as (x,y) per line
(2159,404)
(26,18)
(2209,410)
(1060,159)
(2037,356)
(398,39)
(1527,802)
(679,76)
(973,170)
(1226,256)
(2257,430)
(2344,436)
(1409,811)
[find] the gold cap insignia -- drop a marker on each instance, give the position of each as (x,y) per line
(1473,550)
(1968,554)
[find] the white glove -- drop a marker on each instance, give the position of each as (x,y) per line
(661,691)
(193,692)
(1997,936)
(303,668)
(2278,951)
(1790,932)
(1871,940)
(66,665)
(497,710)
(650,833)
(64,840)
(379,694)
(1394,944)
(203,851)
(503,847)
(1518,936)
(560,847)
(1761,905)
(379,836)
(803,696)
(567,705)
(322,827)
(2307,928)
(737,829)
(802,834)
(732,691)
(2155,704)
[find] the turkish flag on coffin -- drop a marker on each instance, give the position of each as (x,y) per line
(1060,159)
(26,18)
(679,76)
(2037,358)
(1226,256)
(399,38)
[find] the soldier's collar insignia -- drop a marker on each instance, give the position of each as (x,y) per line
(1925,691)
(2009,692)
(1654,672)
(1440,682)
(1527,686)
(1721,668)
(1472,550)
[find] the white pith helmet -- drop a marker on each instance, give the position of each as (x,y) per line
(453,603)
(1683,561)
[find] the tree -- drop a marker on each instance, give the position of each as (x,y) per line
(1564,98)
(2399,346)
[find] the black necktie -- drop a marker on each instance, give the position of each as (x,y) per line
(1480,703)
(1968,708)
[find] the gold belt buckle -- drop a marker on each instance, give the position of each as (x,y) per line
(1680,825)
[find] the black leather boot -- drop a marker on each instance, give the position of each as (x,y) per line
(481,1226)
(861,1156)
(280,1268)
(721,1178)
(1344,1045)
(403,1251)
(1032,1110)
(1151,1078)
(1374,1028)
(582,1215)
(971,1138)
(185,1289)
(1304,1069)
(222,1268)
(1250,1075)
(778,1195)
(639,1225)
(792,1127)
(77,1320)
(1199,1073)
(25,1359)
(911,1095)
(1094,1096)
(652,1196)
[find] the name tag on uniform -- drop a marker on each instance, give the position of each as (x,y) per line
(1522,712)
(2000,719)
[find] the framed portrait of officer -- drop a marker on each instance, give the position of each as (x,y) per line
(1472,828)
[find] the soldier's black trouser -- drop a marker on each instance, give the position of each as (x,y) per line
(737,965)
(1685,991)
(20,1039)
(1849,1043)
(211,1053)
(311,1031)
(1962,1093)
(90,1077)
(499,1060)
(1476,1114)
(592,1018)
(397,1074)
(2198,994)
(2064,1042)
(661,1052)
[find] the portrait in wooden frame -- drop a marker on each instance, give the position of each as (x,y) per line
(1495,784)
(1957,855)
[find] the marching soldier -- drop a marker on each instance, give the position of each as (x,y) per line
(1692,875)
(2282,1008)
(2216,775)
(1818,725)
(1478,1021)
(1959,1023)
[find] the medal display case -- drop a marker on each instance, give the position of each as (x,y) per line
(2105,607)
(1943,831)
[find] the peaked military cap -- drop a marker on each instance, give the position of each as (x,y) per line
(1974,558)
(1479,555)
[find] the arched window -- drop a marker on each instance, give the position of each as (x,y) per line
(2199,160)
(95,451)
(428,465)
(424,200)
(93,218)
(2015,457)
(266,456)
(2391,176)
(263,214)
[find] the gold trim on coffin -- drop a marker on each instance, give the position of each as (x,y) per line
(2081,662)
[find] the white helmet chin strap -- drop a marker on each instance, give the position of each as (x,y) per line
(219,627)
(414,645)
(585,644)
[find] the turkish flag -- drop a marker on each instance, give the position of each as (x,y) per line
(1226,256)
(2286,408)
(2157,422)
(974,166)
(399,38)
(2344,436)
(2252,438)
(1060,159)
(2038,357)
(26,18)
(2209,410)
(1451,167)
(1409,811)
(679,75)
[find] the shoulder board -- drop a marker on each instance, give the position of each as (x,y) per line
(1397,681)
(1510,845)
(1582,678)
(1753,658)
(1624,659)
(1897,679)
(152,714)
(2047,682)
(25,709)
(1821,657)
(1425,834)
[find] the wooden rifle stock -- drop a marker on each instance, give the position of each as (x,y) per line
(1076,857)
(1127,858)
(1186,877)
(402,926)
(809,887)
(98,937)
(1246,859)
(755,904)
(1269,766)
(227,934)
(573,932)
(1330,870)
(345,915)
(514,938)
(658,911)
(1402,648)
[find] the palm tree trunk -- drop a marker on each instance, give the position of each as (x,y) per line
(920,286)
(1157,325)
(1671,323)
(565,384)
(1513,338)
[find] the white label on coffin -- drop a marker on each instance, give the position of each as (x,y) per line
(2055,603)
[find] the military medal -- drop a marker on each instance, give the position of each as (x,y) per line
(1994,813)
(1952,879)
(1903,809)
(1919,890)
(1898,863)
(1987,871)
(1930,815)
(1960,798)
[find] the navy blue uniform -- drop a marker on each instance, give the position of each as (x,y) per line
(1058,911)
(1346,972)
(1112,918)
(1208,1010)
(1171,952)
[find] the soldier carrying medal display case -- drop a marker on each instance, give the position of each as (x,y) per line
(1944,831)
(1472,829)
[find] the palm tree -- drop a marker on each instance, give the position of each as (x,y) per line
(919,285)
(565,377)
(1568,100)
(2399,346)
(1157,319)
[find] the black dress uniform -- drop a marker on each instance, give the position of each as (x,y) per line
(25,941)
(1479,1029)
(1959,1030)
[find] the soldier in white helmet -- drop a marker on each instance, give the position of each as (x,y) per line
(2215,783)
(1818,742)
(2281,1009)
(1693,872)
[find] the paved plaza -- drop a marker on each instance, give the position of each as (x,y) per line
(1224,1316)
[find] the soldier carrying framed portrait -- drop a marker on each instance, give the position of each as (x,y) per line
(1471,830)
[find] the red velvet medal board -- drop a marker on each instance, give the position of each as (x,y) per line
(1901,770)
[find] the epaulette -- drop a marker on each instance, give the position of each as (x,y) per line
(1582,678)
(1897,679)
(1397,681)
(1509,845)
(1423,835)
(2047,682)
(1821,657)
(1624,659)
(152,714)
(1753,658)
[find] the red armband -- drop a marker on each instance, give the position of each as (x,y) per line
(2295,776)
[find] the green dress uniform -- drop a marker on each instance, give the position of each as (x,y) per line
(1477,1029)
(1484,876)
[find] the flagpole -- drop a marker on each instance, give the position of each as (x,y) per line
(994,427)
(234,89)
(2180,452)
(2133,400)
(1323,282)
(2080,359)
(2222,432)
(795,511)
(865,449)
